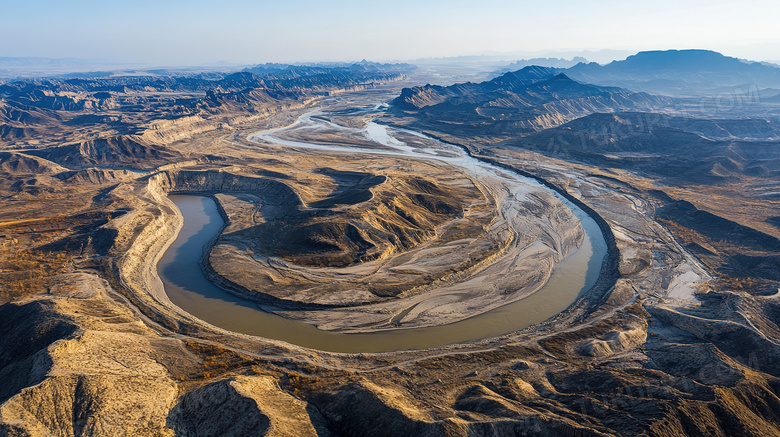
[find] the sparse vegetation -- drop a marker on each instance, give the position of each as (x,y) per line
(217,360)
(24,272)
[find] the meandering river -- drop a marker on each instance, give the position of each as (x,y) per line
(188,288)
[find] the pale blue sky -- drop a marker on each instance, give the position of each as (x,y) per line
(178,32)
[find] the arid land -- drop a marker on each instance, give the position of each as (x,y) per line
(680,338)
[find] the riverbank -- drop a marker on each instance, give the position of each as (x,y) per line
(243,317)
(391,318)
(391,314)
(610,271)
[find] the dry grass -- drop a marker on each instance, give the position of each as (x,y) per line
(739,284)
(25,273)
(215,360)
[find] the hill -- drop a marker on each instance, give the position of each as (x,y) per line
(679,72)
(516,103)
(683,149)
(124,150)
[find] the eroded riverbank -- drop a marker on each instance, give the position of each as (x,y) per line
(188,288)
(576,271)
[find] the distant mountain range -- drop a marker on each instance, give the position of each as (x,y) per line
(679,73)
(307,69)
(542,62)
(14,67)
(20,67)
(552,111)
(516,103)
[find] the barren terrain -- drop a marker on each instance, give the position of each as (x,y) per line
(680,336)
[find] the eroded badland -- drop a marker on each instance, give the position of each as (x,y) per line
(678,336)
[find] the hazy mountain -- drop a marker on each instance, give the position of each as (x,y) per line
(524,101)
(686,149)
(679,72)
(419,97)
(296,70)
(542,62)
(12,67)
(771,99)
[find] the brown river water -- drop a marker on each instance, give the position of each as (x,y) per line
(188,288)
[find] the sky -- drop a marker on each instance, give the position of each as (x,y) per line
(195,32)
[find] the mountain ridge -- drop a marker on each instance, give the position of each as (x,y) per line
(678,72)
(516,103)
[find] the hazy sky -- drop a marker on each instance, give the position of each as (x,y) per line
(179,32)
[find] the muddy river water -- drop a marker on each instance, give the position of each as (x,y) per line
(188,288)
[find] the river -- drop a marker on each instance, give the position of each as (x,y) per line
(187,287)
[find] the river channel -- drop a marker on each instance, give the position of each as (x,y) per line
(188,288)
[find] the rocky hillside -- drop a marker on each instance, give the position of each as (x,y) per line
(130,121)
(17,163)
(685,149)
(362,220)
(19,121)
(113,151)
(80,108)
(76,362)
(429,95)
(516,103)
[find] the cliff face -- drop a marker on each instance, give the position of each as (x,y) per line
(141,236)
(191,181)
(169,131)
